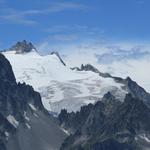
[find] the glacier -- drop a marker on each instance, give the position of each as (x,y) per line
(59,86)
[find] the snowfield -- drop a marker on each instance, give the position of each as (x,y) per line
(59,86)
(13,121)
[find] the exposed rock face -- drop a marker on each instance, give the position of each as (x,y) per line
(23,47)
(137,91)
(134,89)
(23,117)
(131,86)
(110,125)
(6,73)
(89,67)
(57,54)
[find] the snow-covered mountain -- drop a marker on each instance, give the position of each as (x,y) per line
(24,122)
(59,86)
(122,60)
(119,117)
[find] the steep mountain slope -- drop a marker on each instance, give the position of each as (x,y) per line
(59,86)
(24,123)
(108,125)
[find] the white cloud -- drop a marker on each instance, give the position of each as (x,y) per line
(23,17)
(61,6)
(66,28)
(73,28)
(9,15)
(140,1)
(128,58)
(17,19)
(63,37)
(129,65)
(74,33)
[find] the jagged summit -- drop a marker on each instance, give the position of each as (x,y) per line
(22,47)
(57,54)
(108,125)
(89,67)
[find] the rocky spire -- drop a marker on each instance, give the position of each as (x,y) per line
(22,47)
(57,54)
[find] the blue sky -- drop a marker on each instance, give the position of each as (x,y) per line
(66,22)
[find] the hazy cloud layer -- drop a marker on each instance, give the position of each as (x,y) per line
(11,15)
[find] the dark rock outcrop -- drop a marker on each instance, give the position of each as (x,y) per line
(22,116)
(110,125)
(6,73)
(89,67)
(57,54)
(137,91)
(22,47)
(134,89)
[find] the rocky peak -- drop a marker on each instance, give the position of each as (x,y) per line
(22,47)
(128,79)
(89,67)
(57,54)
(109,96)
(137,91)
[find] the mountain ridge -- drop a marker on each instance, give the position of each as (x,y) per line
(22,47)
(49,76)
(22,115)
(125,126)
(103,112)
